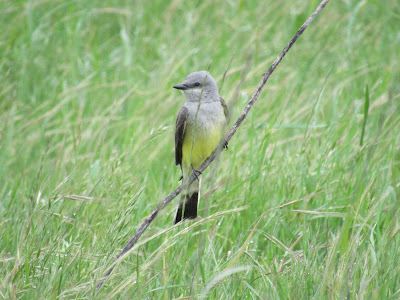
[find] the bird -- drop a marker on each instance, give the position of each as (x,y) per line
(199,127)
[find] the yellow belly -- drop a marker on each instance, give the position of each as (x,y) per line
(204,143)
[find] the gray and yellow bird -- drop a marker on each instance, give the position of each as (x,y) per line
(200,125)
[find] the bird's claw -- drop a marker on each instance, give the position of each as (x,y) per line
(225,145)
(195,172)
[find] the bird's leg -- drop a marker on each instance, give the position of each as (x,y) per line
(195,172)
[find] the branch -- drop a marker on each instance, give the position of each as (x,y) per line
(229,136)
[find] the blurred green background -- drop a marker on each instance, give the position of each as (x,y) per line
(298,207)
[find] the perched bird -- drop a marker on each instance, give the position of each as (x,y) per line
(200,125)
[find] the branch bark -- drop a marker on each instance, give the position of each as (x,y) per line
(229,136)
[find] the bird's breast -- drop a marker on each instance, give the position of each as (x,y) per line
(203,133)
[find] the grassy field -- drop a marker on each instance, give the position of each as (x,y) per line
(299,207)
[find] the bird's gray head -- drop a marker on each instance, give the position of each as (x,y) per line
(199,84)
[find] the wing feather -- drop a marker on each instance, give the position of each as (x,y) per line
(226,110)
(180,129)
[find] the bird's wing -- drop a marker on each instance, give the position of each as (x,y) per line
(226,110)
(180,134)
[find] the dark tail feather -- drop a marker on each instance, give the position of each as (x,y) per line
(190,208)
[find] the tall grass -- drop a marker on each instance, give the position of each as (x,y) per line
(296,208)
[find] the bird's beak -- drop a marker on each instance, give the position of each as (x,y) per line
(180,87)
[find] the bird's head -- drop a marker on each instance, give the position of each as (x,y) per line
(199,84)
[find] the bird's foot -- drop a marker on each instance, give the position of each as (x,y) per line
(195,172)
(225,146)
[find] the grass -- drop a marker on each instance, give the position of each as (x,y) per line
(296,208)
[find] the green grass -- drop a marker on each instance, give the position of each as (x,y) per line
(295,209)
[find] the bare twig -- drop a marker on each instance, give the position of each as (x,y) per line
(229,136)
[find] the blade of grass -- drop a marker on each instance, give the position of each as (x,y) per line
(366,107)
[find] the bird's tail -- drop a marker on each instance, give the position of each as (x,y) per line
(188,204)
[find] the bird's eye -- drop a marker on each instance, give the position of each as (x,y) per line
(197,84)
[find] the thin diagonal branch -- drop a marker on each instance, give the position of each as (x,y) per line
(229,136)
